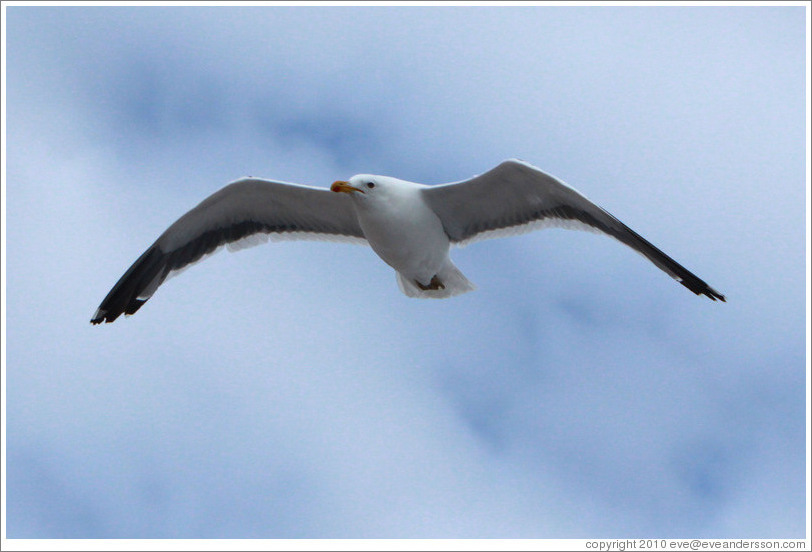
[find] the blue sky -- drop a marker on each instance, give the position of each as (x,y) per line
(290,390)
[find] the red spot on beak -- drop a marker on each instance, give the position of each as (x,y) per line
(341,186)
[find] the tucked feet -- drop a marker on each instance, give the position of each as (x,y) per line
(435,284)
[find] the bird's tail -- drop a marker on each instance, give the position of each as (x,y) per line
(447,283)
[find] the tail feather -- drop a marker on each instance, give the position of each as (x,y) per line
(452,280)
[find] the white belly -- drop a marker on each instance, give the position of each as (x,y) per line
(412,241)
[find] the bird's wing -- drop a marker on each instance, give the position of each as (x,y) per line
(517,197)
(246,212)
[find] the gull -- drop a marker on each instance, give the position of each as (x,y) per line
(410,226)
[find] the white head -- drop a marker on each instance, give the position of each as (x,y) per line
(370,187)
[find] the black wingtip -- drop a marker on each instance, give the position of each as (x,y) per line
(103,316)
(714,295)
(695,284)
(701,288)
(126,296)
(98,317)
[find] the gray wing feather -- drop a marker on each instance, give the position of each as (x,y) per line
(517,197)
(232,216)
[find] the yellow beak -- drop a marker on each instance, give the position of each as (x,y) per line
(341,186)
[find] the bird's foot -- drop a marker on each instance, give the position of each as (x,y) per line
(434,285)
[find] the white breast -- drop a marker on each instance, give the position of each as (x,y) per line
(405,233)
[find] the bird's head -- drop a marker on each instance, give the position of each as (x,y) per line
(369,188)
(370,191)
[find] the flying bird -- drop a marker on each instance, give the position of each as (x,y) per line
(410,226)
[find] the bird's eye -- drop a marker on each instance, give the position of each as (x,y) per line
(370,185)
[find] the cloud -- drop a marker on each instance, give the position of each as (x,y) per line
(290,390)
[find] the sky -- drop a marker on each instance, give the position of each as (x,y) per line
(291,391)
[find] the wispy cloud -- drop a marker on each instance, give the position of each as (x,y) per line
(291,391)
